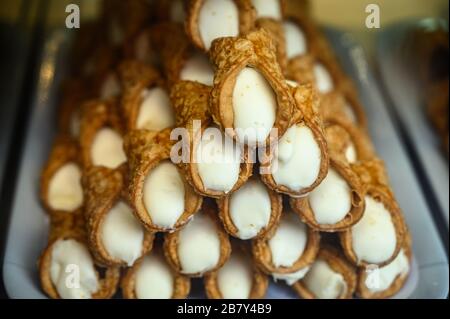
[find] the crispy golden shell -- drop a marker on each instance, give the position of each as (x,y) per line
(145,150)
(276,31)
(302,207)
(247,17)
(181,289)
(171,243)
(362,290)
(230,56)
(337,263)
(305,114)
(135,78)
(65,150)
(108,282)
(262,254)
(340,133)
(190,100)
(383,195)
(276,206)
(103,188)
(95,116)
(259,286)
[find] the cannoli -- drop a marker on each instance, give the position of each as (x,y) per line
(101,134)
(251,211)
(145,102)
(142,49)
(115,235)
(211,19)
(152,278)
(378,236)
(250,96)
(123,19)
(330,277)
(216,166)
(162,199)
(346,140)
(288,251)
(202,246)
(239,278)
(67,271)
(173,11)
(74,94)
(349,105)
(384,282)
(292,37)
(181,62)
(337,203)
(61,192)
(299,161)
(273,9)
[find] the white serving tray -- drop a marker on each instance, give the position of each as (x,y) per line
(28,227)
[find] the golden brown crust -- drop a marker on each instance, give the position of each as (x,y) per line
(74,92)
(171,243)
(304,114)
(383,195)
(247,17)
(337,263)
(262,254)
(362,290)
(95,116)
(136,77)
(276,30)
(65,150)
(104,188)
(302,207)
(190,100)
(350,95)
(145,150)
(174,50)
(230,56)
(259,285)
(276,206)
(125,18)
(341,133)
(181,289)
(107,284)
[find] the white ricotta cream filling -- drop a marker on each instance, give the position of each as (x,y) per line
(291,278)
(164,194)
(324,282)
(218,160)
(250,209)
(107,149)
(289,241)
(374,237)
(122,234)
(331,201)
(324,81)
(156,112)
(296,43)
(72,270)
(298,159)
(217,19)
(381,279)
(198,245)
(235,278)
(198,69)
(154,278)
(64,190)
(268,9)
(254,106)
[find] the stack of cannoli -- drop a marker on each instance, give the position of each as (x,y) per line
(215,139)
